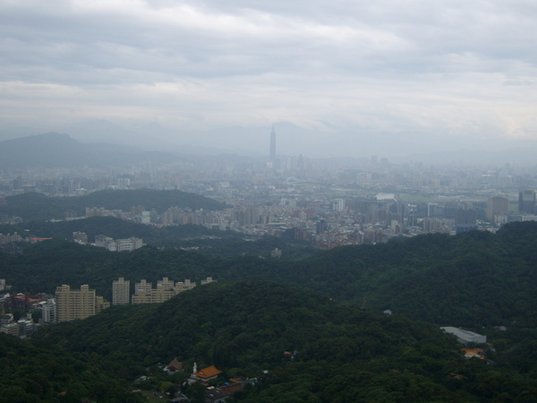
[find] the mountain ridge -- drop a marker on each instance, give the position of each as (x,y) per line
(59,150)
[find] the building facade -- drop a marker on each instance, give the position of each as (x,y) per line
(121,291)
(77,304)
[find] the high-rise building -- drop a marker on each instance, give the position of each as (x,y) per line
(272,144)
(164,291)
(338,205)
(526,201)
(48,311)
(142,292)
(74,304)
(497,206)
(121,291)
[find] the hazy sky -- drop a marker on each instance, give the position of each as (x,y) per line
(336,77)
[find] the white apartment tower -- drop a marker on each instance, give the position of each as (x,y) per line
(48,311)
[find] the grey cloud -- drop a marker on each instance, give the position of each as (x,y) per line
(408,69)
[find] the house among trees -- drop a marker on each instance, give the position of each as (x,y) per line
(174,366)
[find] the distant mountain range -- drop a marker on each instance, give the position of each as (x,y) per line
(57,150)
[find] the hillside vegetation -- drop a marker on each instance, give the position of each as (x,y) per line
(325,307)
(472,280)
(38,207)
(340,353)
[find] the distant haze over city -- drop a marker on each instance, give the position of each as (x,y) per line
(433,81)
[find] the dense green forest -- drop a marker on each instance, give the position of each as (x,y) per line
(477,280)
(38,207)
(341,354)
(32,371)
(474,279)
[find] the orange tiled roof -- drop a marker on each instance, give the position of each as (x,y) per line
(208,372)
(473,352)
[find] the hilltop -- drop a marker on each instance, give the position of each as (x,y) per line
(58,150)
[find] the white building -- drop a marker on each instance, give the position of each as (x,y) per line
(465,336)
(118,245)
(48,311)
(338,205)
(208,280)
(129,244)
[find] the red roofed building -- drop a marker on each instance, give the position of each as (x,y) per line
(206,374)
(36,239)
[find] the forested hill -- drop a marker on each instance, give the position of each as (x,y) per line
(115,228)
(31,372)
(340,353)
(38,207)
(470,280)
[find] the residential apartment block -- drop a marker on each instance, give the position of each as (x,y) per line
(166,289)
(77,304)
(121,291)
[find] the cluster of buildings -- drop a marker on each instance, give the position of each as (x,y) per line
(328,217)
(118,245)
(69,303)
(21,328)
(329,202)
(22,306)
(113,245)
(144,293)
(10,238)
(7,239)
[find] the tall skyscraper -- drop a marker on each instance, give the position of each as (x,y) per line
(273,145)
(120,291)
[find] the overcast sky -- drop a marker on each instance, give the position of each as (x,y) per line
(335,77)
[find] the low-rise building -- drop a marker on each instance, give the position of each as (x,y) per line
(465,336)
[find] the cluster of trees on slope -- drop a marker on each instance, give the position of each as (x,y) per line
(341,353)
(473,279)
(212,242)
(33,372)
(38,207)
(43,266)
(470,280)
